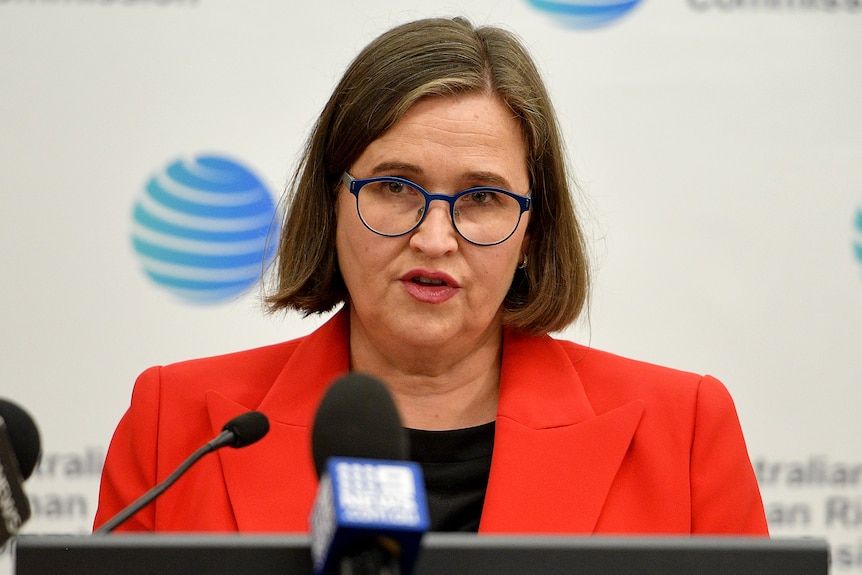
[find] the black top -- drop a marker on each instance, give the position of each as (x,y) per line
(456,465)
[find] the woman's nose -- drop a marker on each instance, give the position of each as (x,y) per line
(436,235)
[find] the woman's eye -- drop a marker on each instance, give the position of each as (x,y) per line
(394,187)
(480,197)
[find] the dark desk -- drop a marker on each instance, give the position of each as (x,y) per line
(442,554)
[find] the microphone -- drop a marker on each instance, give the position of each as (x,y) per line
(240,431)
(20,449)
(371,510)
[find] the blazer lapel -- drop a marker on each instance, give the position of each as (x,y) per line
(554,459)
(272,483)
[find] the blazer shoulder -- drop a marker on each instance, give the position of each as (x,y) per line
(590,358)
(609,378)
(243,375)
(249,361)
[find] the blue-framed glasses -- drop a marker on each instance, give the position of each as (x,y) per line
(392,206)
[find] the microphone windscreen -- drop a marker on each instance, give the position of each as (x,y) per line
(247,428)
(23,435)
(357,417)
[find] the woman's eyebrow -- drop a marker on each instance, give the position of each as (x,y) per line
(487,178)
(384,168)
(483,177)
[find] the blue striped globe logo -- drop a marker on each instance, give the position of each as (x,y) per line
(857,243)
(204,228)
(585,14)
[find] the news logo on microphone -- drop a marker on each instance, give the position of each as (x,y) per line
(367,498)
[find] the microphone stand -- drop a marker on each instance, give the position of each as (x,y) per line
(226,437)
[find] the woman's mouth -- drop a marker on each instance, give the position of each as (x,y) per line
(430,286)
(428,281)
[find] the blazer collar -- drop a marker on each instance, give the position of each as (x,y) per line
(554,459)
(272,483)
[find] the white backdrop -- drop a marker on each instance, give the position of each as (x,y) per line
(718,145)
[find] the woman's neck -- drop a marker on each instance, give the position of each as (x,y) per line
(436,389)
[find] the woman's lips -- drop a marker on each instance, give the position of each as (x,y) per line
(429,286)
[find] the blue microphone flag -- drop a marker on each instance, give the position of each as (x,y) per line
(368,502)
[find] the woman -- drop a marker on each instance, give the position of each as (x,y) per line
(433,201)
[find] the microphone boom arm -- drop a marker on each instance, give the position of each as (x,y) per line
(226,437)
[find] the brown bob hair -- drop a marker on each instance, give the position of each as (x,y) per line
(420,59)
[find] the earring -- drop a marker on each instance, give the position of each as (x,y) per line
(522,265)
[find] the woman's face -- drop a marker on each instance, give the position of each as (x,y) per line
(431,288)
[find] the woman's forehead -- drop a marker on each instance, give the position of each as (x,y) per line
(474,135)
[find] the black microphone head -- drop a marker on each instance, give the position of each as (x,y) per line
(357,418)
(23,435)
(247,428)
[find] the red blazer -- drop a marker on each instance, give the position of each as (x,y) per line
(586,442)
